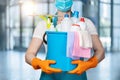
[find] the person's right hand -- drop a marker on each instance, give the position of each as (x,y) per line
(44,65)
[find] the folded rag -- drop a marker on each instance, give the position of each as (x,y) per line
(79,51)
(70,42)
(86,39)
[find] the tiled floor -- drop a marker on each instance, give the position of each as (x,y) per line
(13,67)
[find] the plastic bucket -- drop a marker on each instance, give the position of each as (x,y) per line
(56,43)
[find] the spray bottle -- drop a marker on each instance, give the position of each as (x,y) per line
(75,17)
(66,23)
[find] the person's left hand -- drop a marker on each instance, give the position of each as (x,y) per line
(84,65)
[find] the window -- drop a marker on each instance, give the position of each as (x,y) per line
(109,29)
(105,24)
(116,29)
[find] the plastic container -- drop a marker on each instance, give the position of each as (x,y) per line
(75,17)
(75,20)
(82,23)
(75,27)
(66,23)
(52,28)
(56,42)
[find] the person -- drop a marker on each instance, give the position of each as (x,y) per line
(49,73)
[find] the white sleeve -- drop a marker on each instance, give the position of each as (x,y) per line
(40,30)
(91,27)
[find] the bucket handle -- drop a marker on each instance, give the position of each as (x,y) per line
(45,41)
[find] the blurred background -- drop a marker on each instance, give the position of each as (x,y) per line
(18,19)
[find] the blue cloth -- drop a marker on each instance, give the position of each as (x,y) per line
(63,5)
(63,76)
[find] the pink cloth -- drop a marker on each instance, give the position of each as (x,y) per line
(83,52)
(70,42)
(80,51)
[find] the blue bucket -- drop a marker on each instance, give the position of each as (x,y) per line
(57,42)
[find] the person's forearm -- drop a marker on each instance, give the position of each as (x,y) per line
(99,54)
(33,49)
(98,48)
(29,57)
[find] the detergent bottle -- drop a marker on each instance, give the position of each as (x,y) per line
(75,27)
(75,17)
(75,20)
(82,24)
(66,23)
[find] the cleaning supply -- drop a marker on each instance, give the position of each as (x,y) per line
(79,51)
(76,45)
(75,28)
(83,42)
(66,23)
(54,20)
(59,27)
(70,43)
(52,28)
(44,65)
(75,17)
(82,23)
(86,37)
(82,52)
(84,65)
(48,23)
(87,40)
(56,45)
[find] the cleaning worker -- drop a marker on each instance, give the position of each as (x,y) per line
(49,73)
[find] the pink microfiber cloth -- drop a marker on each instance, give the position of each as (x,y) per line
(79,51)
(83,52)
(70,43)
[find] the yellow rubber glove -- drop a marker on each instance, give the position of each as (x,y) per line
(84,65)
(44,65)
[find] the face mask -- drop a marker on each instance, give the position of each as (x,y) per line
(64,5)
